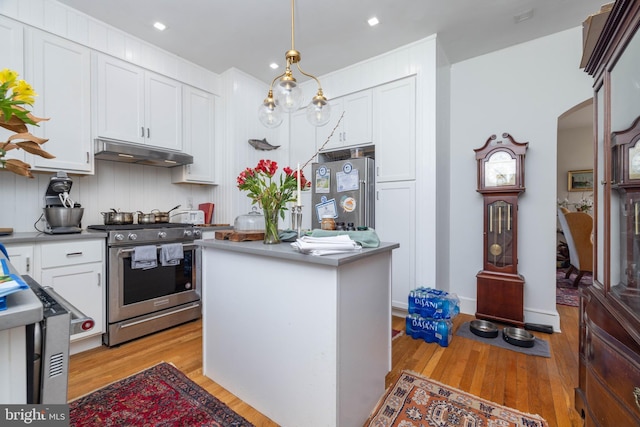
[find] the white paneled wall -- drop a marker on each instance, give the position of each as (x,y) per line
(115,185)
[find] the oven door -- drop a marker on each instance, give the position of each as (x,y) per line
(135,292)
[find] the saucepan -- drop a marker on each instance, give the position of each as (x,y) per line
(163,216)
(117,218)
(146,218)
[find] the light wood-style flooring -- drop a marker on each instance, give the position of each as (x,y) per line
(531,384)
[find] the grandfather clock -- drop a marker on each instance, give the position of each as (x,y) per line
(500,289)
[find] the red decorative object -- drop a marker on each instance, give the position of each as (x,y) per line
(160,395)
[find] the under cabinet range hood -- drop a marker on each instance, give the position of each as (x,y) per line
(118,151)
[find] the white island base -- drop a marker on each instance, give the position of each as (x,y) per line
(305,340)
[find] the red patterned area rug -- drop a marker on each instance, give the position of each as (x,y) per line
(158,396)
(566,292)
(415,401)
(395,333)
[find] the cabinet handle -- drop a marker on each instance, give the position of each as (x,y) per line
(87,157)
(99,280)
(148,133)
(636,395)
(344,136)
(28,264)
(74,254)
(142,131)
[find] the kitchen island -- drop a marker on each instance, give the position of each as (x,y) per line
(305,340)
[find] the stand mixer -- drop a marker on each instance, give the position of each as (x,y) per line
(62,215)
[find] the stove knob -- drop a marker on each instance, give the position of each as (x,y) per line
(187,233)
(197,233)
(132,236)
(119,237)
(162,235)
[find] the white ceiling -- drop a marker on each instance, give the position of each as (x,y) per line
(330,34)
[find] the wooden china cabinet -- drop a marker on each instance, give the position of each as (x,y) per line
(608,392)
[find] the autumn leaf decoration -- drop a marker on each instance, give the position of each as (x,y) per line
(14,94)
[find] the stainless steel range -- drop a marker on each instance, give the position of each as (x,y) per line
(153,278)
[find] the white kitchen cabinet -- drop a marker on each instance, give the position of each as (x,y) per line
(356,125)
(199,137)
(21,257)
(395,130)
(396,222)
(60,72)
(135,105)
(12,36)
(75,270)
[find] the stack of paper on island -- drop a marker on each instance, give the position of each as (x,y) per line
(326,245)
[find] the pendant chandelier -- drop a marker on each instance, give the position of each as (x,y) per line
(288,95)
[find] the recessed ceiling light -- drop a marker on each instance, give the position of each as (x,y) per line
(373,21)
(159,26)
(273,65)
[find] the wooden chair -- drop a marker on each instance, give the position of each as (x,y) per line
(577,228)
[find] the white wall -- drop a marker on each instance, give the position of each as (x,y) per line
(521,90)
(575,152)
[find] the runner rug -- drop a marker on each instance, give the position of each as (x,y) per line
(158,396)
(566,292)
(415,401)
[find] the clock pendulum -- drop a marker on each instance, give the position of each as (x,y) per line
(500,289)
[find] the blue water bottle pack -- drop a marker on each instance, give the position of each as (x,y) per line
(430,330)
(433,303)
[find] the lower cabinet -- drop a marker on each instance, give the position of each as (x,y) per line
(75,269)
(21,257)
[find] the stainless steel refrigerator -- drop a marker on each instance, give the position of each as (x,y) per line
(344,189)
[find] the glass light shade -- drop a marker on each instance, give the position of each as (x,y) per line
(319,111)
(270,115)
(288,94)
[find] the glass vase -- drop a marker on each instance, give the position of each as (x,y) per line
(271,226)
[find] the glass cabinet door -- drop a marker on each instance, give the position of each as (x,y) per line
(500,234)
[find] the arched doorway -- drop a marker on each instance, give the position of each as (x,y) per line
(575,155)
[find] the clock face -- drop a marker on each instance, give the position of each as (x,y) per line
(500,170)
(634,162)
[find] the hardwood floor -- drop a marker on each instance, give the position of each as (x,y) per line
(531,384)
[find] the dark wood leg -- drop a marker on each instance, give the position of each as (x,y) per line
(578,277)
(569,271)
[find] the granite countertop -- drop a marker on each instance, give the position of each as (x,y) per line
(39,237)
(285,251)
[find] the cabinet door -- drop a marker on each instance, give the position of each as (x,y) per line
(11,34)
(356,126)
(119,100)
(199,137)
(395,130)
(82,286)
(396,222)
(60,72)
(323,132)
(163,112)
(21,257)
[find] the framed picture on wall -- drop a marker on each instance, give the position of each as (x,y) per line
(580,180)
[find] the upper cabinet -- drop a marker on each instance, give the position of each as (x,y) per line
(394,130)
(355,127)
(138,106)
(199,137)
(60,72)
(12,36)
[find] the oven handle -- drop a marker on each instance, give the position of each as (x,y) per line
(158,316)
(186,247)
(80,322)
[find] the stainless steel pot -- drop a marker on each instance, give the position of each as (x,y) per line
(117,218)
(143,218)
(163,216)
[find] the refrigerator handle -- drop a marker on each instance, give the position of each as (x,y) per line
(363,198)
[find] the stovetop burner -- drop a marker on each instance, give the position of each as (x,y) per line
(103,227)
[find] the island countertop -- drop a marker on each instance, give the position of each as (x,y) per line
(285,251)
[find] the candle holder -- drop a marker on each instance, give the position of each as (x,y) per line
(296,219)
